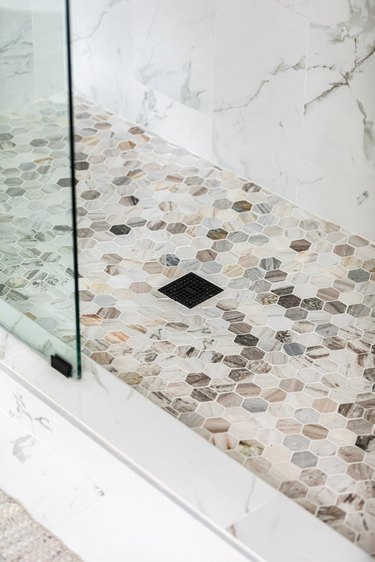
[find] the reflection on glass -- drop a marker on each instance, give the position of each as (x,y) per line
(37,269)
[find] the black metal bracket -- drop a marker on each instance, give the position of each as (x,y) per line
(61,365)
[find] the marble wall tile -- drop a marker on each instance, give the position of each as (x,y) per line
(299,6)
(175,49)
(103,49)
(125,58)
(175,121)
(32,51)
(259,81)
(49,48)
(270,89)
(338,127)
(16,55)
(319,191)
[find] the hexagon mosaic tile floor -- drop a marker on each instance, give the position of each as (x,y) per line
(278,369)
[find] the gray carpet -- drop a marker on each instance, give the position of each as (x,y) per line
(24,540)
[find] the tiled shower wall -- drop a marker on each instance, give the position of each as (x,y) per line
(279,91)
(32,52)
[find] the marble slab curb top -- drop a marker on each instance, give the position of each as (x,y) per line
(220,492)
(100,507)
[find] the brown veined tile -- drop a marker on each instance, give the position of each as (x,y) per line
(273,395)
(358,310)
(300,245)
(242,374)
(276,275)
(270,264)
(359,346)
(252,354)
(108,313)
(248,389)
(322,495)
(234,361)
(291,385)
(216,425)
(184,404)
(350,502)
(335,307)
(293,489)
(307,505)
(366,489)
(324,405)
(361,522)
(131,378)
(366,442)
(314,431)
(203,394)
(198,379)
(343,285)
(206,255)
(344,250)
(331,514)
(102,357)
(351,410)
(288,426)
(313,477)
(259,465)
(91,320)
(369,374)
(359,426)
(193,420)
(357,241)
(327,329)
(365,540)
(116,337)
(369,265)
(366,400)
(334,343)
(240,328)
(360,471)
(328,294)
(303,326)
(230,399)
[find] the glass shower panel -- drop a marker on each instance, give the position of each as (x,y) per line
(38,260)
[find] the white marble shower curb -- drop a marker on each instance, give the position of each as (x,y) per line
(219,492)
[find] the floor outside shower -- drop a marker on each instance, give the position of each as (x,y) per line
(278,369)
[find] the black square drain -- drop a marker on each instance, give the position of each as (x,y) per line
(190,290)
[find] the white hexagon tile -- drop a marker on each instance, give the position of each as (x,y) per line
(278,368)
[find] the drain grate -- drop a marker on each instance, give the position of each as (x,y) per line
(190,290)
